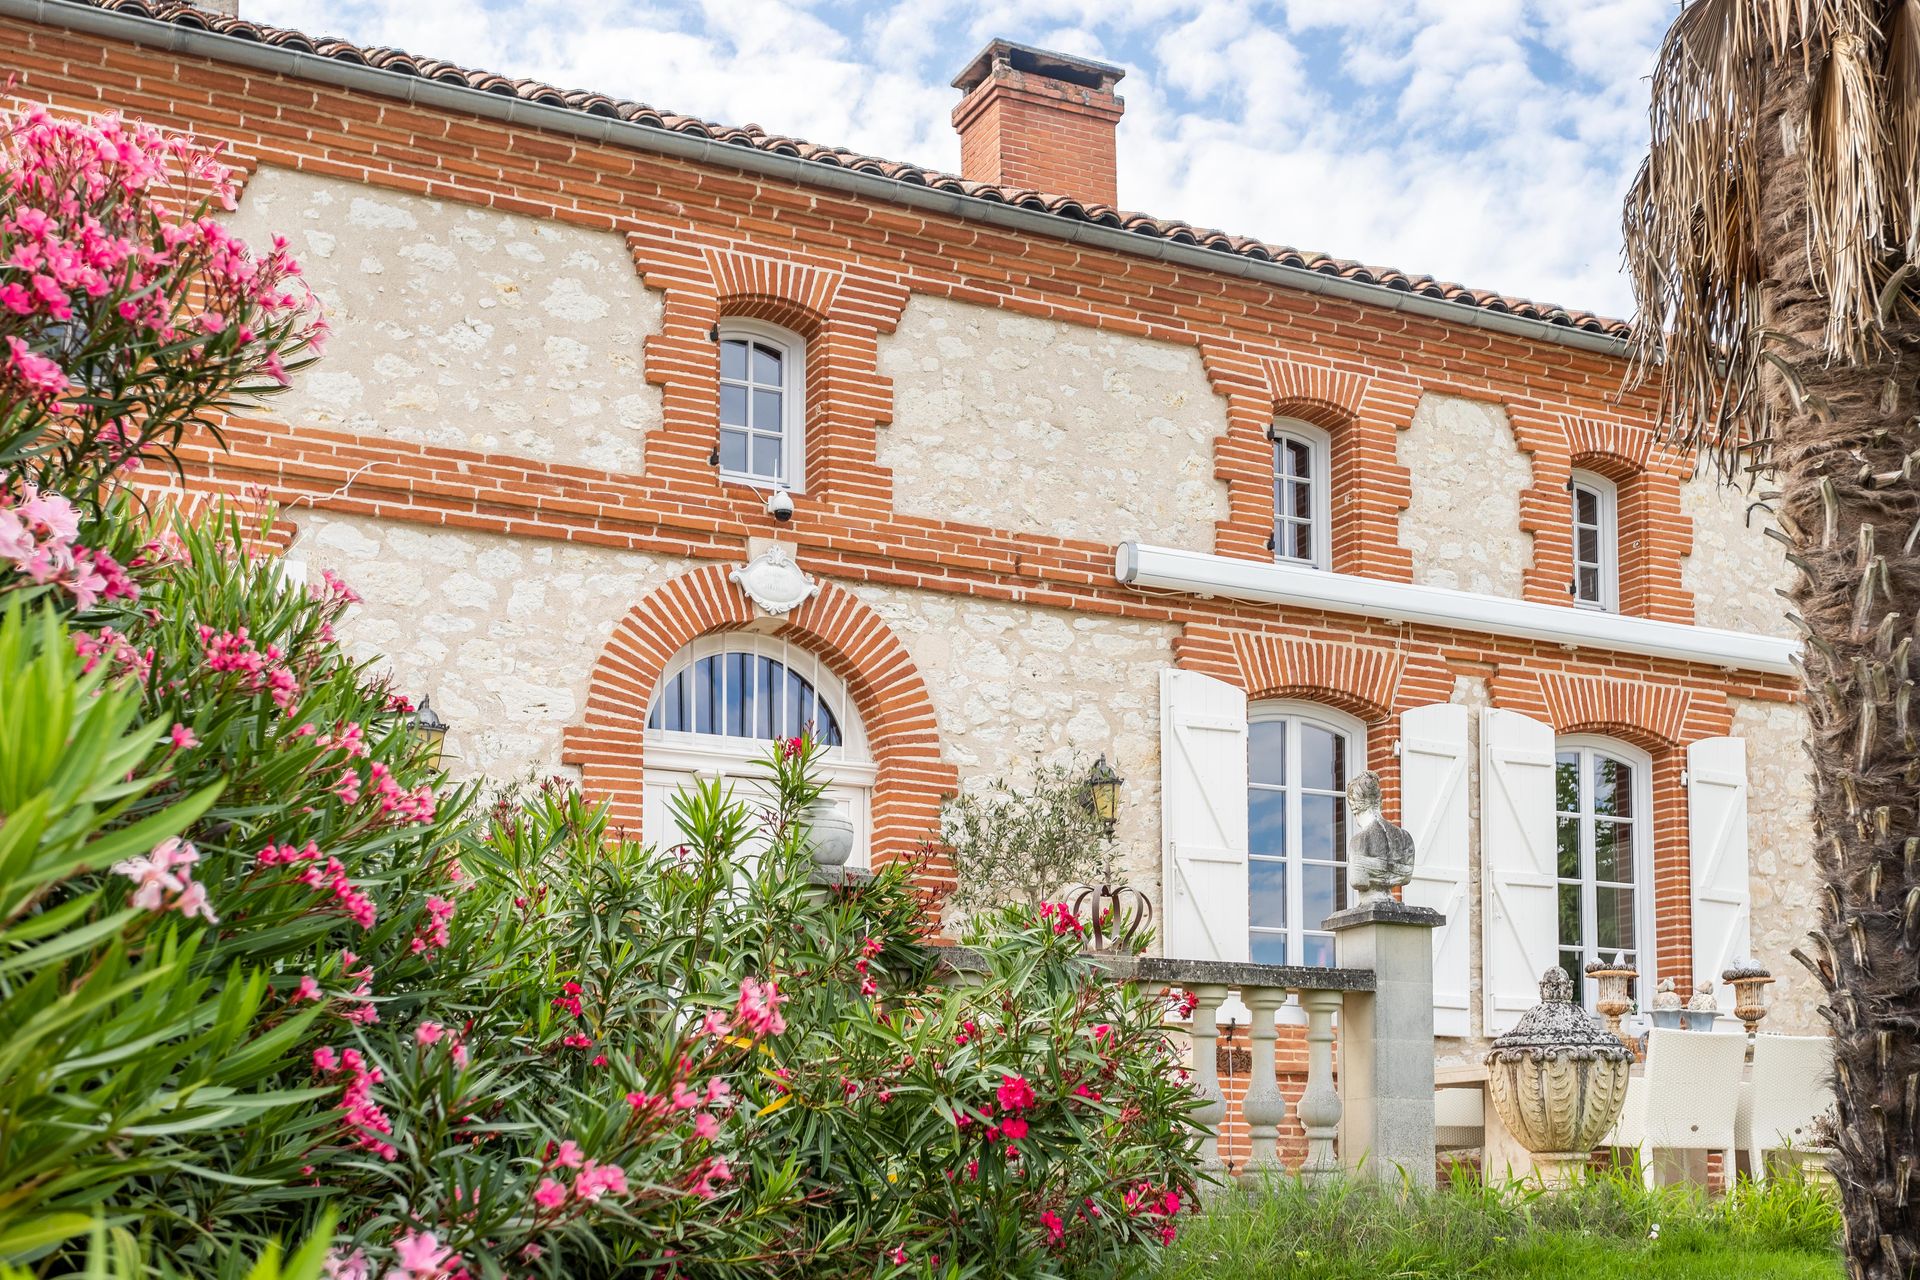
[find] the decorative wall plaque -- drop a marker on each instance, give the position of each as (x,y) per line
(774,582)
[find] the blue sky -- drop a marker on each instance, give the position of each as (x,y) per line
(1484,141)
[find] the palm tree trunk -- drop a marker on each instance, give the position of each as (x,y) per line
(1847,453)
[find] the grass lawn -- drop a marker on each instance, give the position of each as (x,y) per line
(1604,1229)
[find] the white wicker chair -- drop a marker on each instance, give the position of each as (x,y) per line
(1686,1101)
(1791,1086)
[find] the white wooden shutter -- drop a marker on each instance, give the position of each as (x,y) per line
(1717,858)
(1203,817)
(1517,865)
(1433,808)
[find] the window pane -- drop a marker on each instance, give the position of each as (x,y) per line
(733,451)
(1267,893)
(1589,584)
(1325,890)
(734,672)
(766,365)
(1267,948)
(1586,506)
(1323,758)
(733,359)
(701,681)
(1612,787)
(1317,949)
(1566,782)
(1298,542)
(1571,935)
(829,728)
(1613,851)
(1613,917)
(1587,546)
(670,713)
(766,701)
(1302,501)
(808,716)
(1299,460)
(1267,752)
(733,405)
(766,456)
(1323,828)
(1567,834)
(1574,965)
(1267,822)
(766,411)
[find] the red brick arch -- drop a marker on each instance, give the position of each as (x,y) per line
(609,745)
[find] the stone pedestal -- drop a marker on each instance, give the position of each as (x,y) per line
(1386,1040)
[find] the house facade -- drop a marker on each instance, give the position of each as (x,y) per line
(1063,481)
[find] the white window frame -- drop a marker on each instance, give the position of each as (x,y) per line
(1355,733)
(676,756)
(1320,490)
(1646,942)
(793,402)
(1607,498)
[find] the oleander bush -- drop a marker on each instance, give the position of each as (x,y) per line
(276,998)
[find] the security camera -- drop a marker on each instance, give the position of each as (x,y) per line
(780,506)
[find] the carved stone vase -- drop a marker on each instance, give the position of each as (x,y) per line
(1558,1080)
(829,833)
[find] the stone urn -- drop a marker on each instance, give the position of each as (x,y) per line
(829,833)
(1749,982)
(1558,1080)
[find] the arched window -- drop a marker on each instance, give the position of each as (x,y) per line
(1603,801)
(1299,758)
(1596,541)
(1302,489)
(762,404)
(722,703)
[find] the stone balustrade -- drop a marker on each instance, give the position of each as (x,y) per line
(1263,989)
(1376,1114)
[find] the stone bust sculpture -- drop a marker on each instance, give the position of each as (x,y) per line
(1379,854)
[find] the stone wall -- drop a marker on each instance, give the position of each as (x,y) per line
(502,633)
(1013,686)
(1780,852)
(1734,566)
(1463,523)
(464,328)
(1030,424)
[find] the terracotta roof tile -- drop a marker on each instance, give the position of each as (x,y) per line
(181,14)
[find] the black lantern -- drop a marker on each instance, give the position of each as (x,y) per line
(427,725)
(1101,793)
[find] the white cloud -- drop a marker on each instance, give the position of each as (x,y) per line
(1486,141)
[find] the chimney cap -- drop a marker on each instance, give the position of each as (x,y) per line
(1027,59)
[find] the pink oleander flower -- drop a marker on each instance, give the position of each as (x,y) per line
(715,1024)
(1014,1093)
(568,1155)
(163,880)
(1013,1127)
(1056,1230)
(308,989)
(685,1099)
(428,1034)
(550,1194)
(182,737)
(706,1126)
(433,935)
(596,1180)
(347,1266)
(577,1041)
(419,1255)
(758,1008)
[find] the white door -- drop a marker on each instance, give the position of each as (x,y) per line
(1203,817)
(1518,864)
(1433,809)
(1717,859)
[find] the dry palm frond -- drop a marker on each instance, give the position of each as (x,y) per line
(1840,81)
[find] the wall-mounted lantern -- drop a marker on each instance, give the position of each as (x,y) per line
(425,723)
(1101,793)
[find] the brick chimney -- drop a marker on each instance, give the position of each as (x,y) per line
(1030,118)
